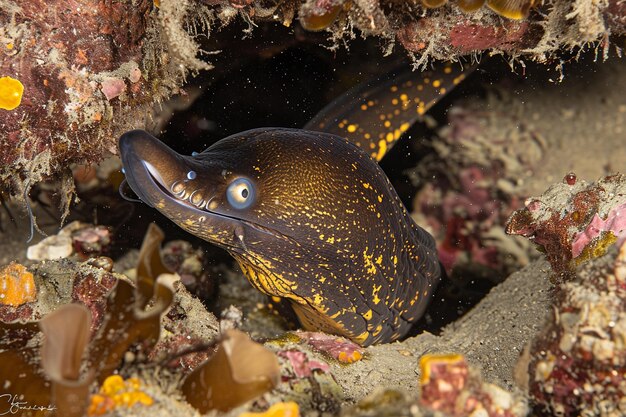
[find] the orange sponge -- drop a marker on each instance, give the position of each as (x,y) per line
(288,409)
(11,91)
(17,285)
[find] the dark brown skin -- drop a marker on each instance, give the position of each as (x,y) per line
(374,115)
(309,216)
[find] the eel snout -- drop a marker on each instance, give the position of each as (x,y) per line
(151,167)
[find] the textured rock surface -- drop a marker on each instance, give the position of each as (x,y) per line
(92,69)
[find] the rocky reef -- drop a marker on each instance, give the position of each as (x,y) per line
(546,340)
(78,73)
(575,365)
(177,330)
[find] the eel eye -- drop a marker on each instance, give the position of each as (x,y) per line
(240,193)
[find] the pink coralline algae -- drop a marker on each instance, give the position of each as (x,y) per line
(577,363)
(80,239)
(92,290)
(574,221)
(301,365)
(460,217)
(476,203)
(338,348)
(615,223)
(91,241)
(112,87)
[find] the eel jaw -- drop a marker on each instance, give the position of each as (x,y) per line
(149,166)
(137,148)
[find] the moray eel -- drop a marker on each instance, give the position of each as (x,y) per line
(375,114)
(309,216)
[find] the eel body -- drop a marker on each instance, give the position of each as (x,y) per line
(375,114)
(309,216)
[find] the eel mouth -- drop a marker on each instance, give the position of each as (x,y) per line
(158,182)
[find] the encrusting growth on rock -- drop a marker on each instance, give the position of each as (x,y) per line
(17,285)
(117,392)
(11,91)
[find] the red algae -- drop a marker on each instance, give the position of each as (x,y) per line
(578,362)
